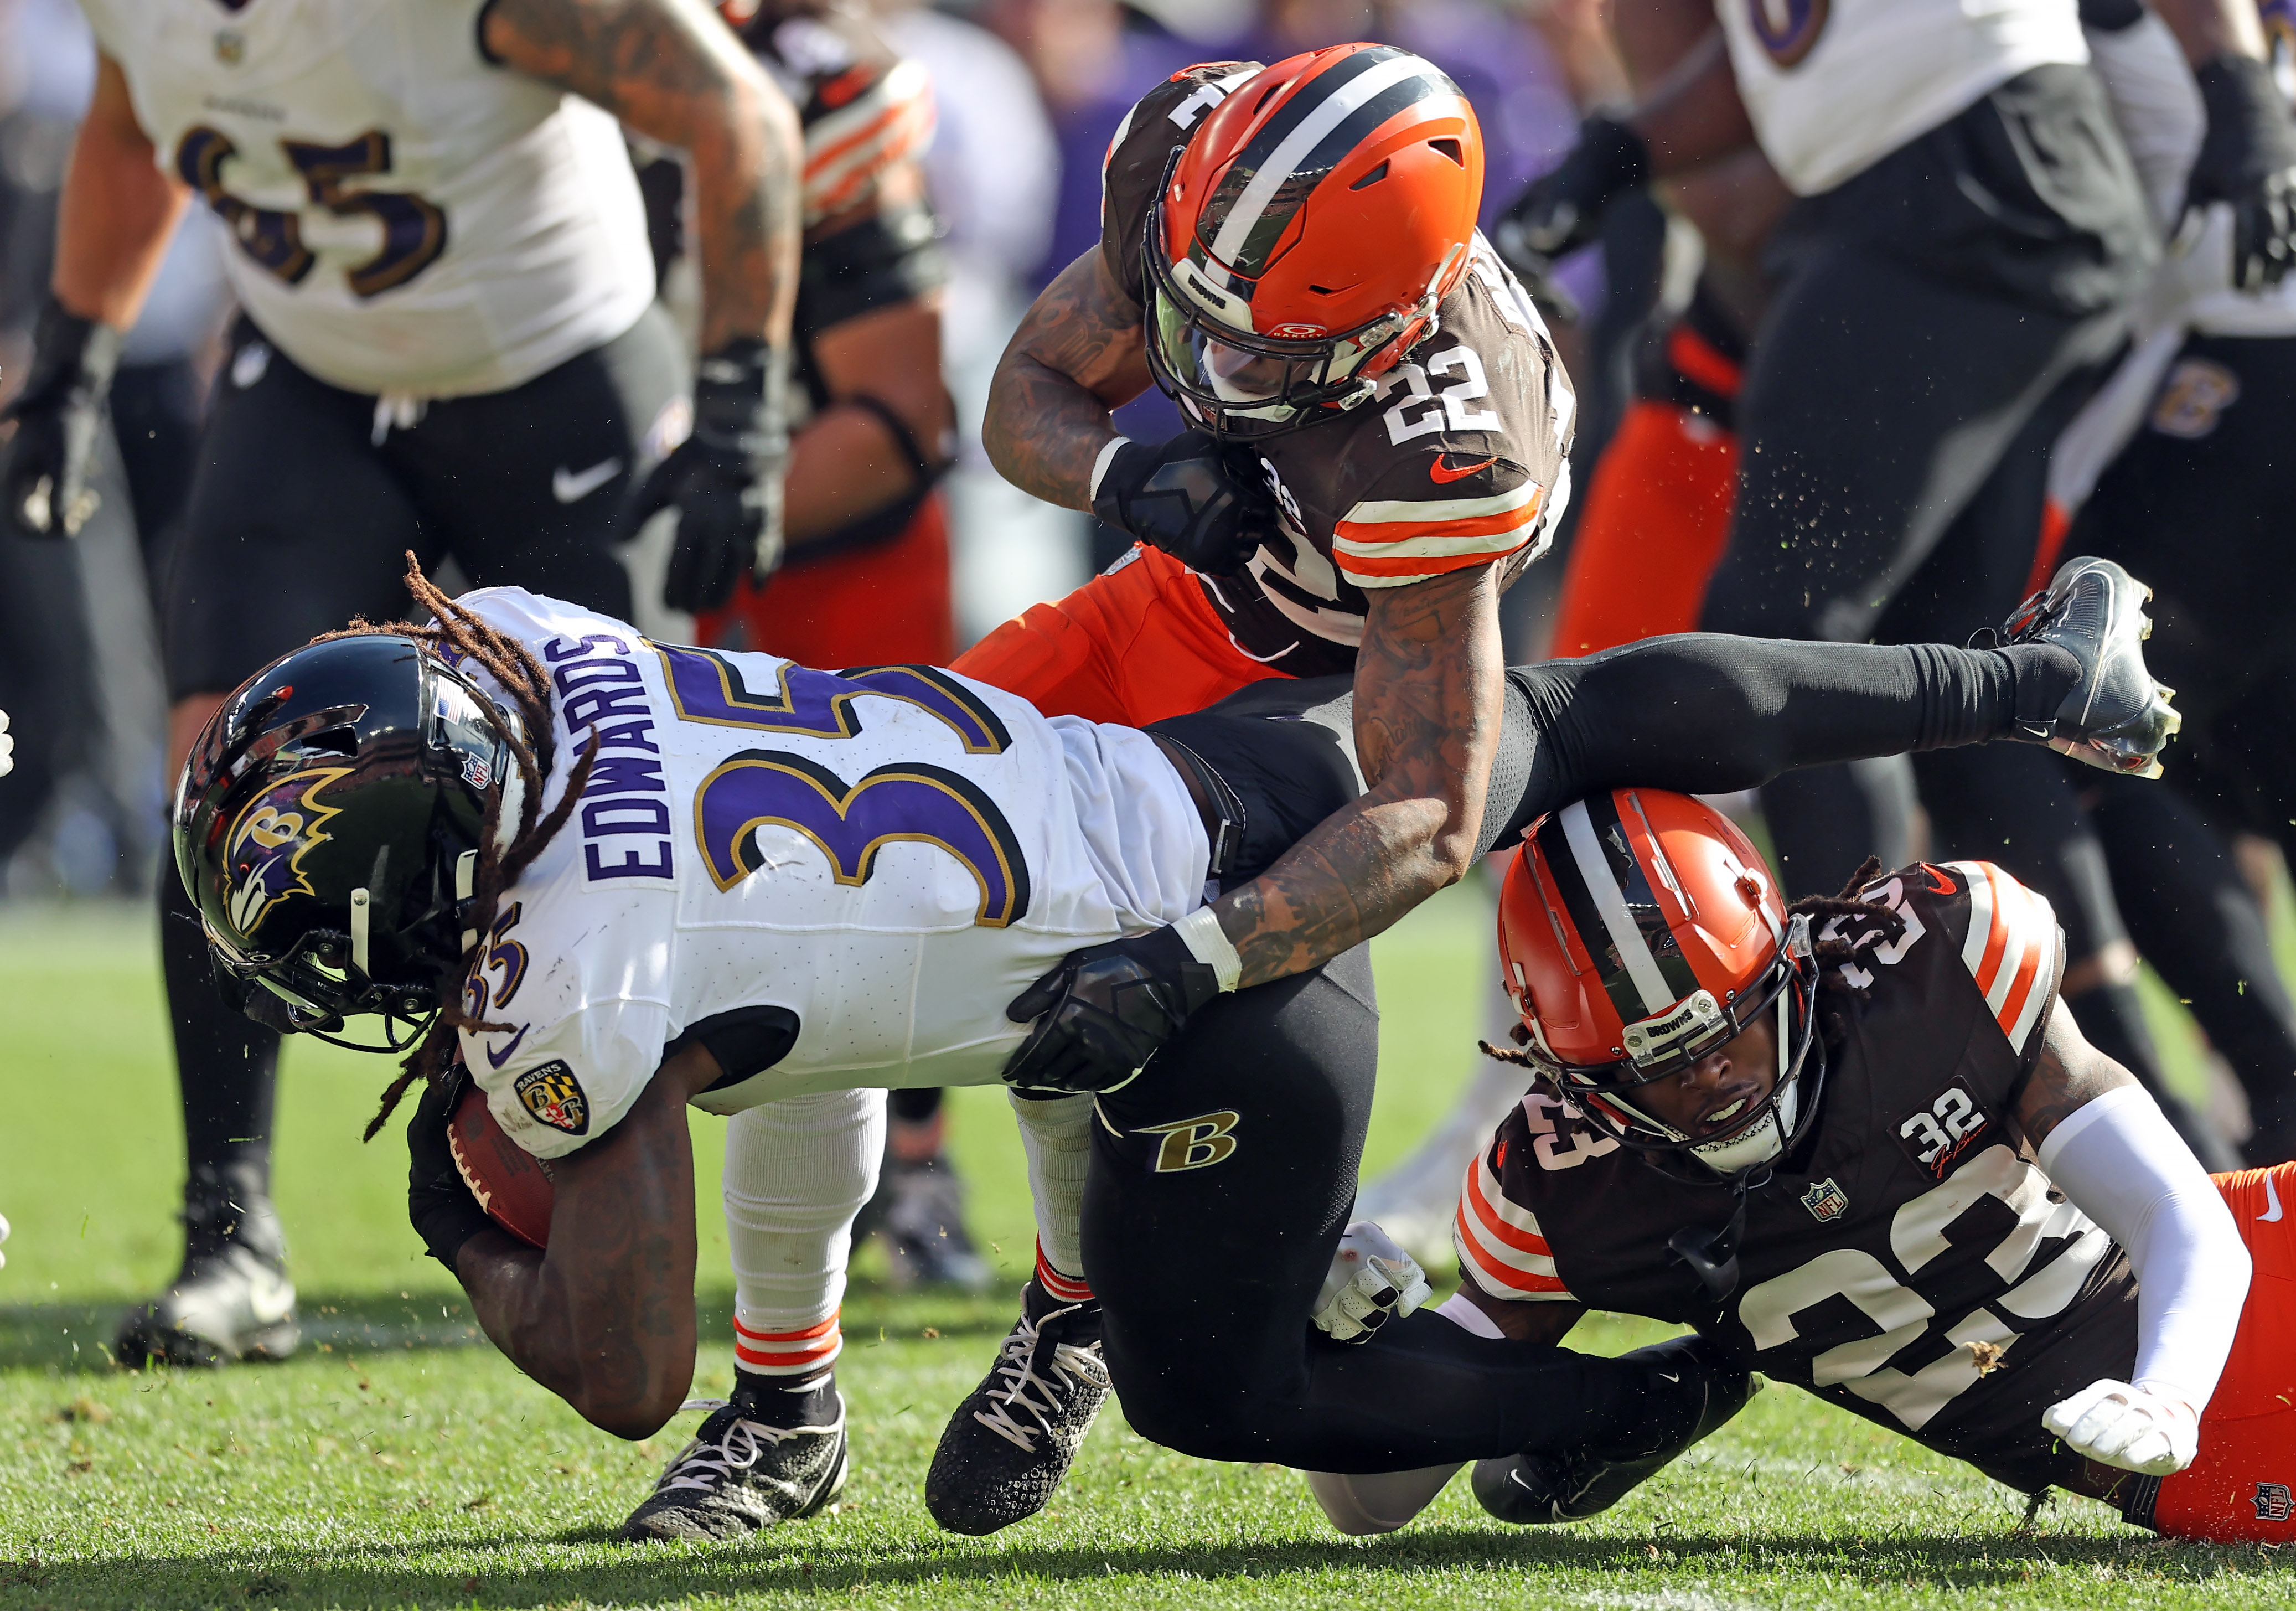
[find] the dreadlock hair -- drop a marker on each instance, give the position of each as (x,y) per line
(1832,956)
(516,670)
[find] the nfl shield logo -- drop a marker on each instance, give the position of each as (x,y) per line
(2274,1502)
(1825,1201)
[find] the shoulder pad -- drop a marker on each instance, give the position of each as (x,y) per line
(2004,934)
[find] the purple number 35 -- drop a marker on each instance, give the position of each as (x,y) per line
(907,801)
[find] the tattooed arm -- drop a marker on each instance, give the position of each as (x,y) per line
(1429,699)
(1079,353)
(672,71)
(2069,1075)
(604,1318)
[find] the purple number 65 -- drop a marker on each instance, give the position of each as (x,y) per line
(907,801)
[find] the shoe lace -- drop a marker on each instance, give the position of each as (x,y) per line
(710,1466)
(1017,1364)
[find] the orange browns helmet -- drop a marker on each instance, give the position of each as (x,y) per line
(1303,237)
(1638,931)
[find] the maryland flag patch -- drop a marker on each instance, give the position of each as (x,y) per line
(554,1097)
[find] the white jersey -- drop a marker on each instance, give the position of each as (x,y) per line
(889,857)
(408,217)
(2158,106)
(1834,86)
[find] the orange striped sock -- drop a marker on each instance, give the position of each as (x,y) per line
(805,1351)
(1062,1289)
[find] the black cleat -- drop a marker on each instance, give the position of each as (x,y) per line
(1692,1389)
(1011,1442)
(2116,718)
(923,1229)
(744,1471)
(231,1299)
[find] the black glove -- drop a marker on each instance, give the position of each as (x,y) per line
(726,478)
(1206,505)
(439,1202)
(57,414)
(2247,159)
(1562,210)
(1104,1011)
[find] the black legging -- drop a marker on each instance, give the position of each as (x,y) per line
(1223,1175)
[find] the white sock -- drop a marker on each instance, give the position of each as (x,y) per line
(796,1171)
(1057,1136)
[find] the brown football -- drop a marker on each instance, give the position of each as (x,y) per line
(511,1183)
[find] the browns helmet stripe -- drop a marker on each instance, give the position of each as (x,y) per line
(1609,894)
(1308,136)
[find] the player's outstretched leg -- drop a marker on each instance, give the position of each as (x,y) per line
(767,1456)
(231,1299)
(1571,1485)
(1013,1440)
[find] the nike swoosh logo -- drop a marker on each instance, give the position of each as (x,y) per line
(2271,1196)
(572,486)
(1441,474)
(1668,1376)
(1939,883)
(270,1298)
(497,1058)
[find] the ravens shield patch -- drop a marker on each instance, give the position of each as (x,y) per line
(555,1097)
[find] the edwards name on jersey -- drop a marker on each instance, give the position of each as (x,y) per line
(857,869)
(405,215)
(1913,1267)
(1459,460)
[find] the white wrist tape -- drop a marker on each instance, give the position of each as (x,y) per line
(2119,1162)
(1207,943)
(1100,466)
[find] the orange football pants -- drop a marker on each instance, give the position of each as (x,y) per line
(2242,1486)
(1136,644)
(885,605)
(1657,517)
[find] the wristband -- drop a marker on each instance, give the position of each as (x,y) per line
(1207,943)
(1100,464)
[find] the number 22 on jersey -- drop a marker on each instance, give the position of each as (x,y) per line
(902,802)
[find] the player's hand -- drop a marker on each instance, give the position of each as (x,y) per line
(1101,1013)
(1562,210)
(439,1202)
(2116,1425)
(724,480)
(1371,1281)
(1206,505)
(44,472)
(2248,160)
(7,746)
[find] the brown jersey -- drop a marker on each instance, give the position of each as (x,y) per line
(1459,460)
(1908,1263)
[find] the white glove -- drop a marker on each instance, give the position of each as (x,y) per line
(7,747)
(2117,1425)
(1371,1279)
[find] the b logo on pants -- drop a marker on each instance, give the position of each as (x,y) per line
(1196,1143)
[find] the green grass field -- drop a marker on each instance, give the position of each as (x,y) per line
(399,1461)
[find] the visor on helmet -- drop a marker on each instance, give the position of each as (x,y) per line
(1236,381)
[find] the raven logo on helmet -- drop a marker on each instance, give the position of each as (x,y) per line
(267,844)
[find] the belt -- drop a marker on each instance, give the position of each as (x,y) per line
(1218,805)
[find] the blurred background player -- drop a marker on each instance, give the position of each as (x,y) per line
(449,345)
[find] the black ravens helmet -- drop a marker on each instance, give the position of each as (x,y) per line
(327,825)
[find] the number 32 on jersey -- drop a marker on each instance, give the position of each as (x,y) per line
(905,801)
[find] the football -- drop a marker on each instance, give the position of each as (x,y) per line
(511,1184)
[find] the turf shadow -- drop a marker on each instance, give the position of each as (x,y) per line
(392,1574)
(76,1338)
